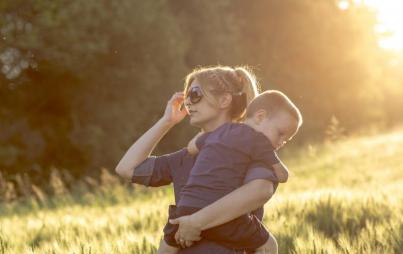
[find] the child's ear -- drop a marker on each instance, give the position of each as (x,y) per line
(225,100)
(259,116)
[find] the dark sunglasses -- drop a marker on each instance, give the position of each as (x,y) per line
(194,94)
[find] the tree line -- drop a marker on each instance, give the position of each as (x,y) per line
(81,80)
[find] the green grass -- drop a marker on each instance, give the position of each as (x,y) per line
(344,197)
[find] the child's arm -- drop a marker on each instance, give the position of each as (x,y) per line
(143,147)
(268,159)
(263,153)
(259,149)
(192,146)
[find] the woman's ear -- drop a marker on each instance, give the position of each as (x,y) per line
(224,101)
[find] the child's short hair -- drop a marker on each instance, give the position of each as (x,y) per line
(273,101)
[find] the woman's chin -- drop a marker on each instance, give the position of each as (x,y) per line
(194,122)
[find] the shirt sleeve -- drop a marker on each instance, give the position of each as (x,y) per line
(260,172)
(143,172)
(257,171)
(156,170)
(263,152)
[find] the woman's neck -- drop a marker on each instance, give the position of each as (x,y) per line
(217,122)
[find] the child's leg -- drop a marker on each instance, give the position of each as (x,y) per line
(270,247)
(166,249)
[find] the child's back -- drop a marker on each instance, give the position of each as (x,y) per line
(224,157)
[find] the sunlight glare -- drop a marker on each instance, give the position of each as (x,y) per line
(343,5)
(390,18)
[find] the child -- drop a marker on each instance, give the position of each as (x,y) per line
(271,120)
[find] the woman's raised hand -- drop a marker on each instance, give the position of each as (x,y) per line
(173,112)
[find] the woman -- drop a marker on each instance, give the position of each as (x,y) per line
(223,96)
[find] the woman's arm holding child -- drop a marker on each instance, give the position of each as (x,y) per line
(246,198)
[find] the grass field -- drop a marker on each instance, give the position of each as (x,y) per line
(343,197)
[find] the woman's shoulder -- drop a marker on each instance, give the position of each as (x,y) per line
(175,156)
(238,130)
(230,128)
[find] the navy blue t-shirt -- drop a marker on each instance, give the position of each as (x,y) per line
(224,157)
(175,168)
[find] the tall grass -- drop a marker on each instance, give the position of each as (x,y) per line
(343,197)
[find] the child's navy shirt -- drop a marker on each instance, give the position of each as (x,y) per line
(175,168)
(224,157)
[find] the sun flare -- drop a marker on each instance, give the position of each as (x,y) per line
(390,16)
(390,21)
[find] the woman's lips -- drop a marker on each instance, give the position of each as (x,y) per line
(191,112)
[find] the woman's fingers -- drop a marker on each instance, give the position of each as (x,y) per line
(176,101)
(179,240)
(177,237)
(179,99)
(173,112)
(178,96)
(187,233)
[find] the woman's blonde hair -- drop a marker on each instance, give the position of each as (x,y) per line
(239,81)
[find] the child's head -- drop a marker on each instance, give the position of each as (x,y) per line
(274,114)
(218,94)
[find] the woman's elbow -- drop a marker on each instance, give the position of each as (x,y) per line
(123,172)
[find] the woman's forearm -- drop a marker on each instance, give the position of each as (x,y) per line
(245,199)
(142,148)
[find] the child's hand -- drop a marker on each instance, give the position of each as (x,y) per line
(281,171)
(192,148)
(173,112)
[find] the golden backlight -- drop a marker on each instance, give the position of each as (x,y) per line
(390,21)
(390,16)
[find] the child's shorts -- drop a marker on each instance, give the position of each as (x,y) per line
(243,233)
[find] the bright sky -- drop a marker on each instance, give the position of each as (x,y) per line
(390,18)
